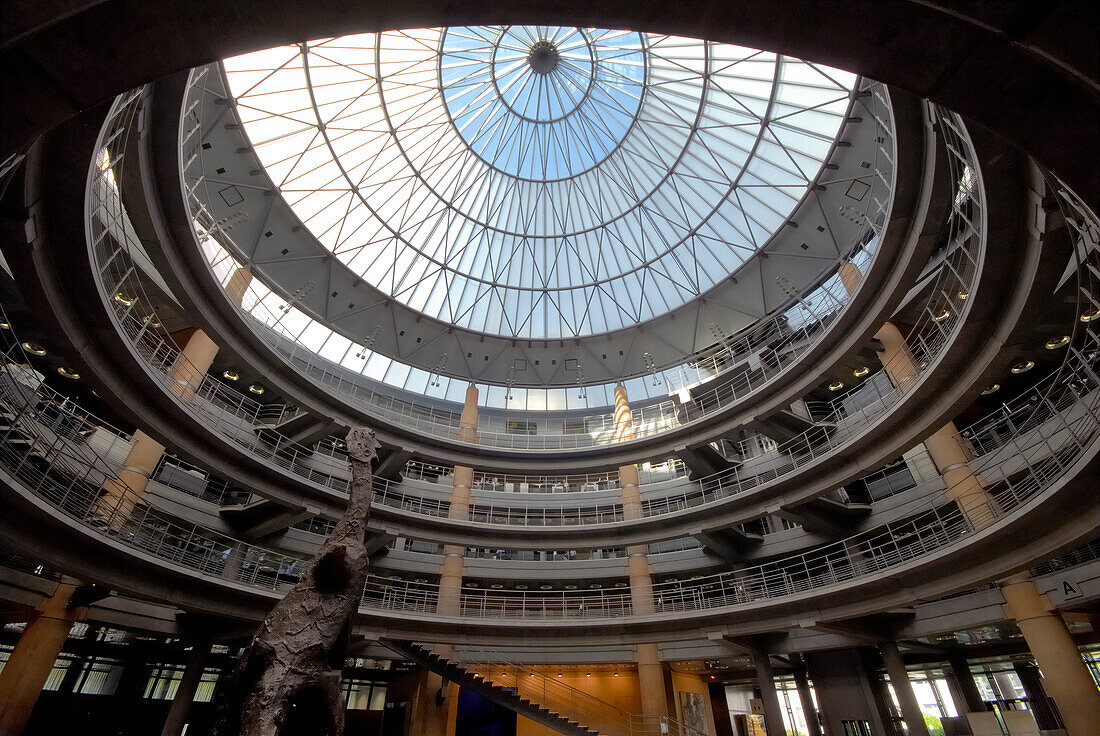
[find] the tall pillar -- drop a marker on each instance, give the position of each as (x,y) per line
(199,351)
(623,421)
(972,701)
(903,689)
(845,690)
(1037,701)
(765,678)
(651,677)
(1065,676)
(467,420)
(180,710)
(185,375)
(31,661)
(115,503)
(432,714)
(813,723)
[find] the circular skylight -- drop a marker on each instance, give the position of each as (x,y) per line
(534,181)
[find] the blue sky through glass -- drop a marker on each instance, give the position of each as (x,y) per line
(606,182)
(542,123)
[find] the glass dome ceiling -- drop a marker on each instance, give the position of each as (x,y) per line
(539,182)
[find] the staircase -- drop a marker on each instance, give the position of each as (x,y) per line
(542,699)
(545,700)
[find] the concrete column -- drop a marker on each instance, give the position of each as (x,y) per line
(430,715)
(180,710)
(186,375)
(849,277)
(903,689)
(952,459)
(896,357)
(972,701)
(1037,701)
(450,580)
(427,714)
(199,351)
(813,724)
(1065,676)
(720,711)
(623,419)
(34,655)
(467,421)
(631,497)
(773,712)
(651,678)
(115,504)
(454,556)
(192,364)
(238,285)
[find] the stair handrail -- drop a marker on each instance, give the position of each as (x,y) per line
(587,709)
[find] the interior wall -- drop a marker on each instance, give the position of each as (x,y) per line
(687,683)
(621,692)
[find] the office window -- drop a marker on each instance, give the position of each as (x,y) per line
(364,694)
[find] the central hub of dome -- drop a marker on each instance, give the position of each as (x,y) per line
(543,57)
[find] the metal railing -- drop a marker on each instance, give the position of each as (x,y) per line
(549,692)
(62,469)
(768,348)
(235,416)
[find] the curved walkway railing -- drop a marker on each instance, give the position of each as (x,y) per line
(234,416)
(771,346)
(40,452)
(37,452)
(229,412)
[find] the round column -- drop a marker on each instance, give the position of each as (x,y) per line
(31,661)
(1066,678)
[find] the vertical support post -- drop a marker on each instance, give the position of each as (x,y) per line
(31,661)
(1065,675)
(802,682)
(180,710)
(765,678)
(903,689)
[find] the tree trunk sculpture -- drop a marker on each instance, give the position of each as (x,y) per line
(288,680)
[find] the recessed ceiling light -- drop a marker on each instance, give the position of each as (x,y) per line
(231,375)
(861,372)
(151,320)
(1090,315)
(836,385)
(1023,367)
(991,389)
(256,388)
(123,298)
(496,586)
(942,315)
(68,373)
(34,348)
(964,295)
(1057,342)
(5,326)
(546,587)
